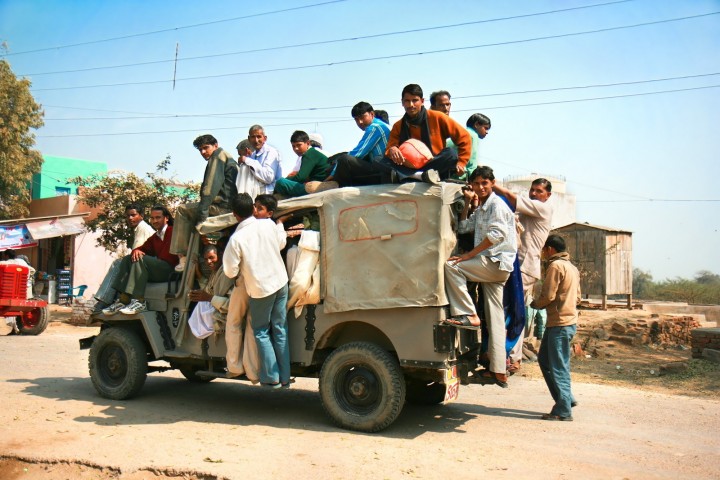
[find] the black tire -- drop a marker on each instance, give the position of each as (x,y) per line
(34,322)
(190,372)
(425,393)
(118,363)
(362,387)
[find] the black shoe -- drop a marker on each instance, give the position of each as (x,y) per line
(431,176)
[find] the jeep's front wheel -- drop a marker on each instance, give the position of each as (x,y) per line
(362,387)
(118,363)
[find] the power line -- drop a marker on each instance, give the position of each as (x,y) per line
(165,30)
(344,120)
(245,113)
(590,99)
(385,57)
(327,42)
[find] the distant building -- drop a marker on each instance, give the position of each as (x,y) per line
(52,179)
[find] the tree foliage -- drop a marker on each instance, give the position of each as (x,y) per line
(114,191)
(642,283)
(19,114)
(703,289)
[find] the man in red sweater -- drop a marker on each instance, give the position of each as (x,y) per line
(431,128)
(150,262)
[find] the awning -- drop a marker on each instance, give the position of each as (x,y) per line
(15,236)
(56,227)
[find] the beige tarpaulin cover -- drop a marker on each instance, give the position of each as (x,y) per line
(375,252)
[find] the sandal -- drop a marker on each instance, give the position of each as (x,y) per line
(461,321)
(486,377)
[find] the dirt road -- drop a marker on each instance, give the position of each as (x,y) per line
(227,429)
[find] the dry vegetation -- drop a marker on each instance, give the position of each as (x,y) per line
(636,366)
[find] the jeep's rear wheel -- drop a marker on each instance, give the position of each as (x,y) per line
(33,322)
(421,392)
(118,363)
(362,387)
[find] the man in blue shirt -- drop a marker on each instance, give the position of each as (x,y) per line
(358,166)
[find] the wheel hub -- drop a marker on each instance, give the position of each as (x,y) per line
(361,387)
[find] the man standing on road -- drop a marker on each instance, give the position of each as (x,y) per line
(254,252)
(535,215)
(560,296)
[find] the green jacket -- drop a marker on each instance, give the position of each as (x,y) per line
(313,166)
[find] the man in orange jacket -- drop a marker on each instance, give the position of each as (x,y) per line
(431,128)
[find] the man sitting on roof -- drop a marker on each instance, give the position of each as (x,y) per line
(432,129)
(313,166)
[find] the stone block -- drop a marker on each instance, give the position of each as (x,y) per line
(601,334)
(673,367)
(711,354)
(618,327)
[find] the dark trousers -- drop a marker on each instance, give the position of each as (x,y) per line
(352,171)
(444,163)
(133,277)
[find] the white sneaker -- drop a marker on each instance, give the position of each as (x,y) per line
(181,265)
(114,308)
(134,307)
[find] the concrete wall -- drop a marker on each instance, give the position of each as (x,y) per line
(56,170)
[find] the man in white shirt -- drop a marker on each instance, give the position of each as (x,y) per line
(134,218)
(264,160)
(535,215)
(254,252)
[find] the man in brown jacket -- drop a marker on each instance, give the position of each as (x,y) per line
(560,296)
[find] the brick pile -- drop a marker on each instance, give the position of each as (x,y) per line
(81,309)
(705,341)
(665,332)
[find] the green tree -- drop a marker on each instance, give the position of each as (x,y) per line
(706,277)
(112,192)
(642,285)
(19,114)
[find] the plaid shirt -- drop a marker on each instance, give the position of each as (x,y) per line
(495,221)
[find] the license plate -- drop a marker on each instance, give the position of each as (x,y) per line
(452,385)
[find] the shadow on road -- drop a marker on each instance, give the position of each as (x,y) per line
(166,400)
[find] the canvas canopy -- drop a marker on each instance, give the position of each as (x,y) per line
(383,246)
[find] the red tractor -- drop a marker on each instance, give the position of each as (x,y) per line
(31,315)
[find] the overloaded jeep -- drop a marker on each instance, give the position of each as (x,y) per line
(373,336)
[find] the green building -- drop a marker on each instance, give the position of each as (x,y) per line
(52,179)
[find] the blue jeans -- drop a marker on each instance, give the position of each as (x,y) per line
(554,360)
(269,322)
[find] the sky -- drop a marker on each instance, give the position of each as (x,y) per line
(621,98)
